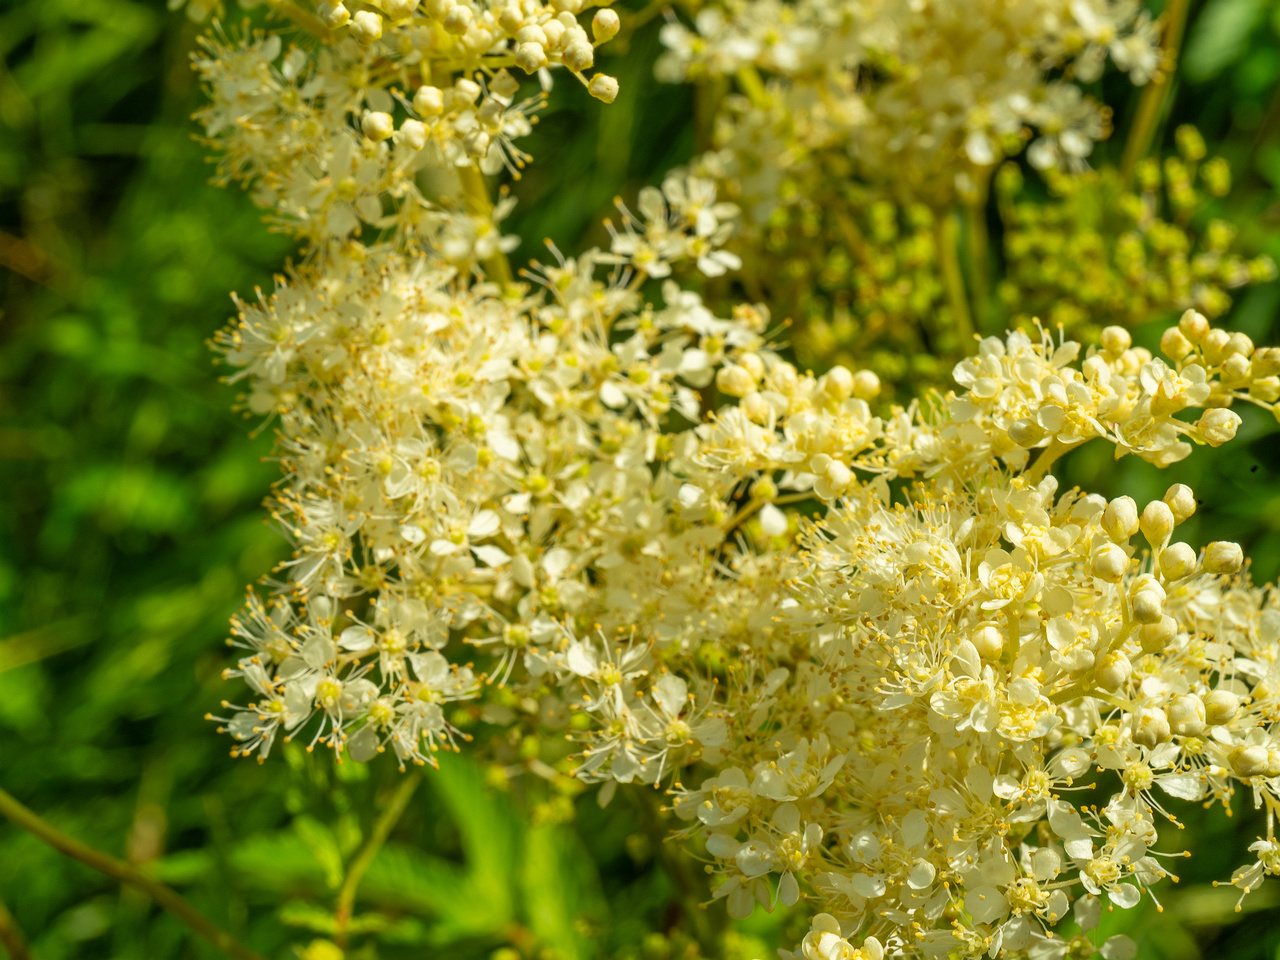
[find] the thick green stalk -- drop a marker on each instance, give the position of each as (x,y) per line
(381,830)
(125,873)
(946,233)
(1156,91)
(475,195)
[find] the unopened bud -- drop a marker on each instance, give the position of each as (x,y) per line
(579,56)
(1249,760)
(377,125)
(1114,671)
(866,385)
(1186,715)
(1115,341)
(366,26)
(988,641)
(1174,345)
(428,101)
(399,9)
(755,407)
(1157,522)
(1218,425)
(1109,563)
(413,134)
(1151,727)
(465,90)
(1154,637)
(1223,556)
(1220,706)
(457,20)
(1177,560)
(531,57)
(836,384)
(838,476)
(1181,501)
(603,87)
(734,381)
(554,30)
(1026,432)
(1193,326)
(1120,519)
(1148,605)
(333,15)
(439,9)
(605,25)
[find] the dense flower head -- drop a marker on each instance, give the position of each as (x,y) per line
(872,650)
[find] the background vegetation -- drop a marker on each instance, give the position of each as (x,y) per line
(130,523)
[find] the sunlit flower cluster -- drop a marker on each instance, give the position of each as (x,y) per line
(874,652)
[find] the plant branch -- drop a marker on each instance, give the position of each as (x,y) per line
(946,235)
(125,873)
(11,937)
(1151,106)
(381,830)
(475,196)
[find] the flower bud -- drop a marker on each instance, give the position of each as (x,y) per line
(988,641)
(603,87)
(569,7)
(1157,522)
(1249,760)
(1236,370)
(1223,556)
(752,363)
(1151,727)
(579,56)
(377,126)
(428,101)
(1174,345)
(457,20)
(1186,715)
(734,381)
(1214,345)
(1109,563)
(532,33)
(465,91)
(1114,671)
(333,15)
(1115,341)
(1154,637)
(1181,501)
(836,384)
(1148,605)
(413,134)
(439,9)
(1120,519)
(605,25)
(1026,432)
(755,407)
(866,385)
(1238,345)
(554,31)
(531,57)
(1193,326)
(838,476)
(1218,425)
(1177,560)
(1220,706)
(366,26)
(399,9)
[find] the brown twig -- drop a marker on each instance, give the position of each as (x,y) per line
(125,873)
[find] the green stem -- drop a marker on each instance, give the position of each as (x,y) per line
(381,830)
(11,937)
(125,873)
(978,249)
(475,196)
(1046,460)
(946,233)
(1151,106)
(692,892)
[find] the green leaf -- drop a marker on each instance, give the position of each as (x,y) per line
(1219,37)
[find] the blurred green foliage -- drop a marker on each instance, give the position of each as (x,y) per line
(130,522)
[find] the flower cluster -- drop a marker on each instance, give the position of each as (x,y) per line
(869,649)
(924,98)
(1133,253)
